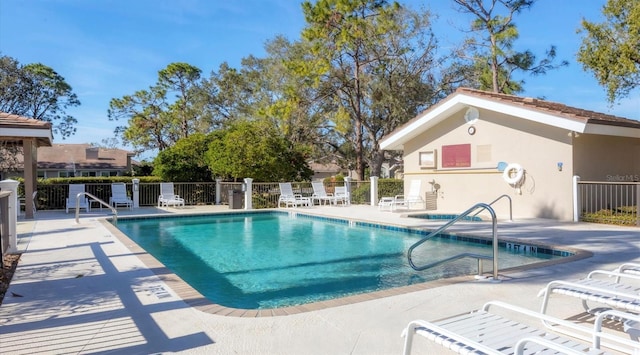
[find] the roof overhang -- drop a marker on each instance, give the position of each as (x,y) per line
(16,129)
(609,130)
(460,101)
(42,136)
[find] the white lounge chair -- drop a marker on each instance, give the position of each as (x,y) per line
(608,290)
(629,268)
(320,194)
(412,198)
(119,196)
(74,190)
(167,197)
(341,195)
(486,332)
(289,199)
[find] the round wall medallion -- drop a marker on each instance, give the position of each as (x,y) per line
(471,130)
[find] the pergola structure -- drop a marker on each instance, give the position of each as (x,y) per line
(30,134)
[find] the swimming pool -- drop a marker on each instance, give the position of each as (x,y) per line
(263,260)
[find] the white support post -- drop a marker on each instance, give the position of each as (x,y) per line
(374,190)
(14,206)
(347,186)
(576,199)
(248,203)
(136,193)
(218,187)
(637,204)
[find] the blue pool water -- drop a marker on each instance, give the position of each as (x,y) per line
(271,260)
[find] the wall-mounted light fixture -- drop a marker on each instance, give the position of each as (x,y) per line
(559,166)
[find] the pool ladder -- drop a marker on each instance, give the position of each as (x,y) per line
(498,199)
(479,257)
(115,212)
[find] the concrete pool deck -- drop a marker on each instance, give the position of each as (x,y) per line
(80,289)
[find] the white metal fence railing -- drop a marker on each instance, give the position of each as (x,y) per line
(608,202)
(264,195)
(594,201)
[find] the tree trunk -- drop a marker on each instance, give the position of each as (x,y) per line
(358,128)
(494,64)
(377,158)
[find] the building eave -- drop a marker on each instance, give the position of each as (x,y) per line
(572,119)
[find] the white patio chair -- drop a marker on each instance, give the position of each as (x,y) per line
(119,196)
(413,197)
(167,197)
(486,332)
(320,194)
(341,195)
(289,198)
(74,190)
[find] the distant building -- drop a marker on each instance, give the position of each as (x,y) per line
(389,169)
(73,160)
(322,171)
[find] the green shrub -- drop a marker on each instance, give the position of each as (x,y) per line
(390,187)
(621,216)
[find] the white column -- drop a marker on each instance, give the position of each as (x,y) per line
(637,204)
(347,185)
(218,187)
(576,199)
(12,185)
(248,203)
(136,193)
(374,190)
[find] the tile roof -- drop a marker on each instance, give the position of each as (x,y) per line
(325,167)
(8,120)
(63,156)
(542,111)
(554,108)
(14,129)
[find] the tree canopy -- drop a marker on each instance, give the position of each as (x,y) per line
(361,69)
(184,161)
(168,111)
(258,150)
(611,49)
(375,67)
(39,92)
(494,61)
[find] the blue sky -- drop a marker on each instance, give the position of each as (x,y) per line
(110,48)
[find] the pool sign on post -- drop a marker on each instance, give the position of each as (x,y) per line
(136,193)
(247,194)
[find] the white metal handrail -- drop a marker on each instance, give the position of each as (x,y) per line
(115,212)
